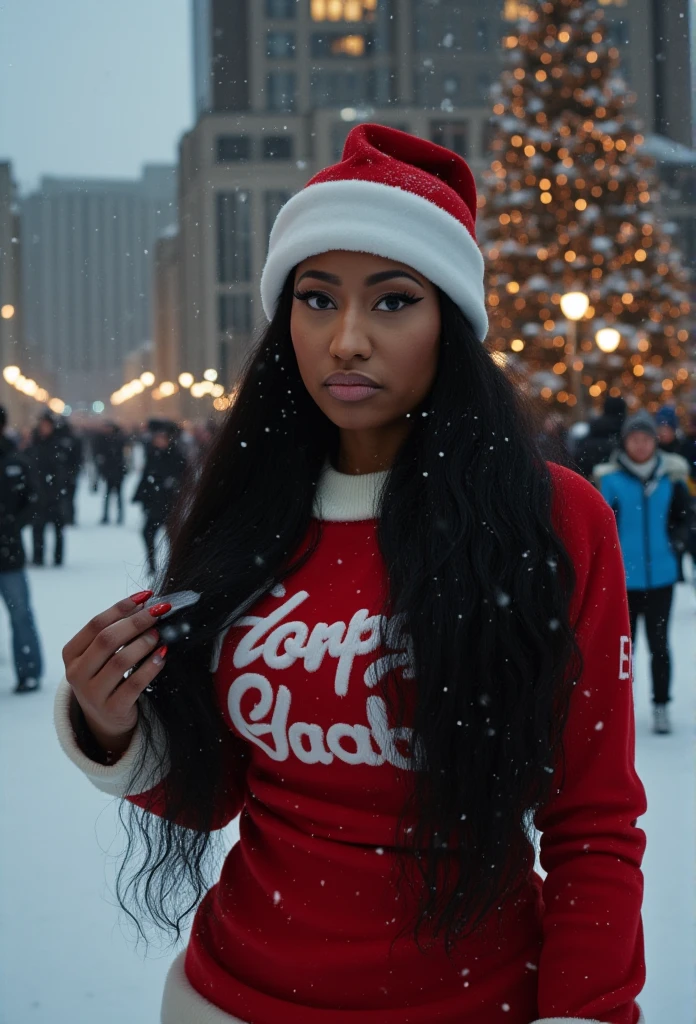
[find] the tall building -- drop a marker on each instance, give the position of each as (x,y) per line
(280,83)
(87,275)
(11,312)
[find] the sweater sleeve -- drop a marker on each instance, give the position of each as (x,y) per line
(115,779)
(146,788)
(592,961)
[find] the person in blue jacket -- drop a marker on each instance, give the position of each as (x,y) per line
(647,490)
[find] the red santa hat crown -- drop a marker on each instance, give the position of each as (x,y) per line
(394,195)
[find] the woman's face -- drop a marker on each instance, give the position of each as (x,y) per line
(358,314)
(640,446)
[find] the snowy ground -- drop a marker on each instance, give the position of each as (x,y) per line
(65,957)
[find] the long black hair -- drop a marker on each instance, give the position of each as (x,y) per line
(477,573)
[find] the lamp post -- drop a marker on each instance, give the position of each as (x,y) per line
(574,305)
(608,339)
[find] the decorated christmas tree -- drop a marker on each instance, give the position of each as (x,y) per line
(571,204)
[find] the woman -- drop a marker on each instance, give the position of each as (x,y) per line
(159,485)
(381,677)
(646,488)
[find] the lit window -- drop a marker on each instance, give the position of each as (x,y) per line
(352,46)
(327,44)
(342,10)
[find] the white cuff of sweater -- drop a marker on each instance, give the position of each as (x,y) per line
(578,1020)
(114,779)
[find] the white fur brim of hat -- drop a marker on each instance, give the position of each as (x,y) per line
(365,216)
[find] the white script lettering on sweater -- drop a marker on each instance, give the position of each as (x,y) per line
(280,644)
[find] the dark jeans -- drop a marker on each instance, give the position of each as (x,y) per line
(112,487)
(25,641)
(70,490)
(152,525)
(38,530)
(654,605)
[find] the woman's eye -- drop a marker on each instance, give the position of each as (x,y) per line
(324,302)
(394,303)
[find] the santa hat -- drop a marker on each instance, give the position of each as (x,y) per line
(394,195)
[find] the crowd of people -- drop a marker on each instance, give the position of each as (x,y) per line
(39,471)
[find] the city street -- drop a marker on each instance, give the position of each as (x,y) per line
(65,953)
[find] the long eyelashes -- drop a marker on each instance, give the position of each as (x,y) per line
(408,298)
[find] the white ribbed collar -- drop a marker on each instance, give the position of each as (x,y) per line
(342,497)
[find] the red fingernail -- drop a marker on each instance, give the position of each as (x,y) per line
(159,655)
(160,609)
(154,633)
(141,596)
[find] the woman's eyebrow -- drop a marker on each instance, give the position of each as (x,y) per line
(383,275)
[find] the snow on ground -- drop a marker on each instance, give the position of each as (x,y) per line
(65,955)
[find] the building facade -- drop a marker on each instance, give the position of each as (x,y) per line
(19,407)
(87,275)
(280,83)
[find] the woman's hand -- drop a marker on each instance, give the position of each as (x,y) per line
(97,660)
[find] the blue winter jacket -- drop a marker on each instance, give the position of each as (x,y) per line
(644,514)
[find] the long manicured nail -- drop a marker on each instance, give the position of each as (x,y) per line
(152,635)
(159,656)
(141,597)
(160,609)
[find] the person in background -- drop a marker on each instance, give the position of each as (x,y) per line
(646,488)
(667,426)
(111,462)
(603,437)
(48,459)
(72,446)
(688,451)
(688,445)
(93,440)
(159,485)
(17,498)
(553,439)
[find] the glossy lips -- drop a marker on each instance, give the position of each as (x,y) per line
(351,387)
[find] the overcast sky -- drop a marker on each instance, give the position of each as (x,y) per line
(93,87)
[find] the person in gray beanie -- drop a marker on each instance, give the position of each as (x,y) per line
(647,490)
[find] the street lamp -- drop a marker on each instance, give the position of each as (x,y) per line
(608,339)
(7,311)
(574,305)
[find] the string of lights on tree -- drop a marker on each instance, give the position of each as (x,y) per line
(570,205)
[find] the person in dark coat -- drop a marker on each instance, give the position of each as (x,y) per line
(667,429)
(159,485)
(72,446)
(553,440)
(603,438)
(49,462)
(17,498)
(111,463)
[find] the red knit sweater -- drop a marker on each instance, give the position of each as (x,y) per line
(300,928)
